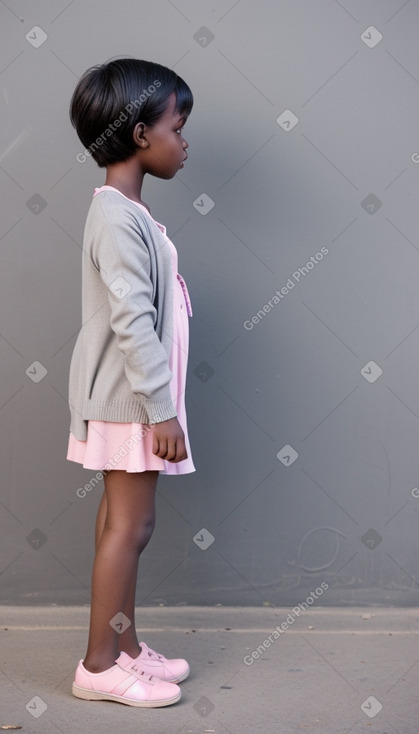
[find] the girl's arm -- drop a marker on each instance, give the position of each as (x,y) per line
(121,256)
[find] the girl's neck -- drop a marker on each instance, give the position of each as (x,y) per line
(127,179)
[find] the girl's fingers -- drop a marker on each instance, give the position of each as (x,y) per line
(170,444)
(181,451)
(156,445)
(163,449)
(171,451)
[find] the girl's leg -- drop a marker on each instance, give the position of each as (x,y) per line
(128,641)
(100,519)
(128,526)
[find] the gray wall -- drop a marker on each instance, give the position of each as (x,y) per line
(328,368)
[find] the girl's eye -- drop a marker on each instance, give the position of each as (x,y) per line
(179,130)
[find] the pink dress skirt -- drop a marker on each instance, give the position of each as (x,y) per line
(129,446)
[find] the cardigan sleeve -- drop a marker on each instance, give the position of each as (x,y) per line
(120,253)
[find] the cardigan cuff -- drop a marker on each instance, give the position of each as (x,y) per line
(129,411)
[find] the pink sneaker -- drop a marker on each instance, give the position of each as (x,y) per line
(152,663)
(134,688)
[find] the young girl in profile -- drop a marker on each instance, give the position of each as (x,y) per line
(128,368)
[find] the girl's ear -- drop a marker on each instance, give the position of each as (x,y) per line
(138,135)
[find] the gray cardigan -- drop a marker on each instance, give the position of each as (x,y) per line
(119,368)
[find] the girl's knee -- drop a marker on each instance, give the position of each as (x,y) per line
(143,533)
(130,531)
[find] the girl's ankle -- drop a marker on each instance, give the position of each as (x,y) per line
(133,652)
(93,666)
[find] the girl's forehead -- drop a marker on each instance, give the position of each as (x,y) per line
(171,115)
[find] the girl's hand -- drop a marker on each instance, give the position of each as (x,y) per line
(169,441)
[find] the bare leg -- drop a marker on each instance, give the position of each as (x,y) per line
(100,519)
(127,528)
(128,641)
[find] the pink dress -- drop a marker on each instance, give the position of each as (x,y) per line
(129,446)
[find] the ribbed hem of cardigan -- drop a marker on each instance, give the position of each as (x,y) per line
(154,411)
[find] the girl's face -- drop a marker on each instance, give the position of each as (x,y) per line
(166,149)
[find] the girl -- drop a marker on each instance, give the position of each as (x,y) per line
(128,368)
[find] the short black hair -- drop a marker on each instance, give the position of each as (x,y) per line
(111,98)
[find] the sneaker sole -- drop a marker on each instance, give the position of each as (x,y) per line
(89,695)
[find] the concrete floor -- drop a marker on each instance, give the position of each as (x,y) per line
(334,670)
